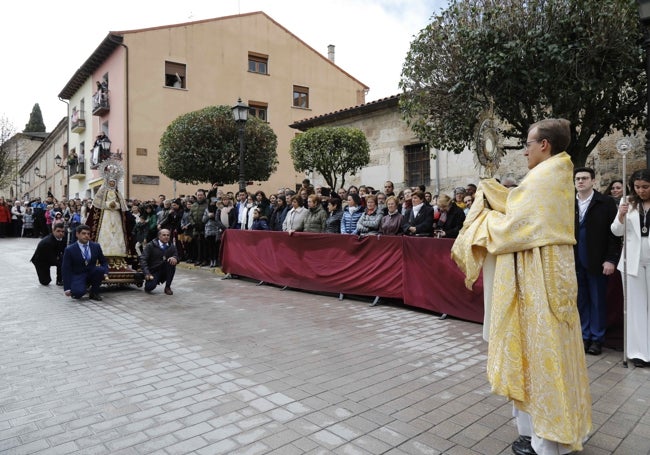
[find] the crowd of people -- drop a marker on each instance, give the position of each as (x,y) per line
(519,241)
(195,223)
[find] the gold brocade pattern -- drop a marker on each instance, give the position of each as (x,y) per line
(535,355)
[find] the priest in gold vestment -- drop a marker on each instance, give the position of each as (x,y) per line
(535,354)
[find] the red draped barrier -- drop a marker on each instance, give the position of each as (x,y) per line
(317,262)
(434,282)
(418,270)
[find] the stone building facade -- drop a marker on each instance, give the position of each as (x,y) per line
(396,154)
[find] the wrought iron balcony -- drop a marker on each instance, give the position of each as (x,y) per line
(100,103)
(77,122)
(77,171)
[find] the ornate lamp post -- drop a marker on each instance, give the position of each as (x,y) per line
(37,173)
(644,16)
(57,162)
(240,113)
(105,144)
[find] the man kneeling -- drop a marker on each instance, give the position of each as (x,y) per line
(84,264)
(158,262)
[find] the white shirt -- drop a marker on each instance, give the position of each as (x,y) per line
(416,209)
(583,205)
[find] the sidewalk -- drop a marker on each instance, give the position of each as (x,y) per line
(227,366)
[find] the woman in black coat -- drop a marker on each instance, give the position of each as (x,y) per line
(333,221)
(451,219)
(279,213)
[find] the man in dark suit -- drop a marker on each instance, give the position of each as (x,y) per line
(596,255)
(84,264)
(49,252)
(158,262)
(419,218)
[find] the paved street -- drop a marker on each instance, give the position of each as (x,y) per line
(226,366)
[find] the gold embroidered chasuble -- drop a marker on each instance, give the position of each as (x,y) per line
(535,354)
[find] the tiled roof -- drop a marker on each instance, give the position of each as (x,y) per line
(103,51)
(348,112)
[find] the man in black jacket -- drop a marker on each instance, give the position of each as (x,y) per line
(596,255)
(158,262)
(49,252)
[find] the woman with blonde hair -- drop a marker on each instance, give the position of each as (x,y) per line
(316,215)
(451,218)
(370,219)
(391,223)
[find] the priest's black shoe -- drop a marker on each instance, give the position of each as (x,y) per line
(96,297)
(523,447)
(596,348)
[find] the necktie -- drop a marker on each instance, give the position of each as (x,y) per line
(163,246)
(86,253)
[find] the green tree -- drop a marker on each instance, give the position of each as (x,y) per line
(203,146)
(331,151)
(7,157)
(35,124)
(577,59)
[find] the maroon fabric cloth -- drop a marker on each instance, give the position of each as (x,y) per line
(418,270)
(347,264)
(434,282)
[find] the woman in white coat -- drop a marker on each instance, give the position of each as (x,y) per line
(295,220)
(634,219)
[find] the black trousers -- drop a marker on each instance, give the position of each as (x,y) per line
(163,275)
(201,253)
(212,247)
(43,272)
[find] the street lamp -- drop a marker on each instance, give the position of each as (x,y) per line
(37,173)
(240,113)
(57,161)
(644,16)
(105,143)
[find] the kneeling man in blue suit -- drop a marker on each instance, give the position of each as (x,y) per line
(84,264)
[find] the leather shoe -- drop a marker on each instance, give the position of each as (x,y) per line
(596,348)
(96,297)
(587,344)
(640,363)
(522,439)
(523,447)
(169,291)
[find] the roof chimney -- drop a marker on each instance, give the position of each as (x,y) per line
(330,53)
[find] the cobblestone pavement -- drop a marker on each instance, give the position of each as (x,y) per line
(226,366)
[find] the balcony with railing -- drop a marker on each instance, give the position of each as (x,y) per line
(77,170)
(100,103)
(77,122)
(73,165)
